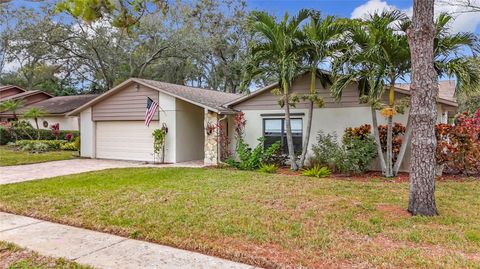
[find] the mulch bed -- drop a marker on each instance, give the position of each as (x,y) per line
(402,177)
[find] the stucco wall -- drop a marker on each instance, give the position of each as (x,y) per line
(167,112)
(66,123)
(189,131)
(87,134)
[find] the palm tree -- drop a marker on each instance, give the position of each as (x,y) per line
(379,56)
(376,56)
(11,105)
(322,39)
(278,53)
(35,113)
(449,60)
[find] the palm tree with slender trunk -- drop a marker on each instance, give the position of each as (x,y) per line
(278,52)
(13,106)
(35,113)
(321,37)
(377,56)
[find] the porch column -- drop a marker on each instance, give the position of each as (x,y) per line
(211,138)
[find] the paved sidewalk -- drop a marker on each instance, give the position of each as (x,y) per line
(100,250)
(19,173)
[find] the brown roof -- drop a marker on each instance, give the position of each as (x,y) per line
(24,94)
(209,98)
(446,91)
(61,104)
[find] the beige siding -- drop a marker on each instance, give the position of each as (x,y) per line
(127,104)
(269,101)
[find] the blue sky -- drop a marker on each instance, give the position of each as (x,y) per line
(342,8)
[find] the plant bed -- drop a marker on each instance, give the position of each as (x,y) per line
(269,220)
(11,156)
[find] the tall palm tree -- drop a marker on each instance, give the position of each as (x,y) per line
(321,37)
(449,60)
(278,52)
(11,105)
(377,56)
(35,113)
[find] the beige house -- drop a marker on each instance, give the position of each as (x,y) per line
(112,125)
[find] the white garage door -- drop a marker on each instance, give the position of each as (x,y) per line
(125,140)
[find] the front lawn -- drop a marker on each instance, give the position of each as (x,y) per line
(263,219)
(12,256)
(12,157)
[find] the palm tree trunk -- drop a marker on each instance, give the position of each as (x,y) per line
(288,126)
(38,129)
(391,98)
(309,119)
(376,136)
(423,111)
(403,148)
(389,172)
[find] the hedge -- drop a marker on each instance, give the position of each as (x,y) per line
(8,134)
(32,144)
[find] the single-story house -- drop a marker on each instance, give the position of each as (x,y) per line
(11,92)
(112,125)
(55,107)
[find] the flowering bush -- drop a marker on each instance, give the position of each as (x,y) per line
(458,146)
(55,130)
(69,137)
(397,138)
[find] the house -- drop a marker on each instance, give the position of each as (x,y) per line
(11,92)
(112,125)
(55,108)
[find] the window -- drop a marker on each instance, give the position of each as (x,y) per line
(274,130)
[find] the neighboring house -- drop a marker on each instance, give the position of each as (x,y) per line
(112,124)
(11,92)
(55,108)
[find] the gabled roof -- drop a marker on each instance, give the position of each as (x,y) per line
(446,91)
(6,87)
(209,99)
(60,105)
(25,94)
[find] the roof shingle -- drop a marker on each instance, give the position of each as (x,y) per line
(61,104)
(209,98)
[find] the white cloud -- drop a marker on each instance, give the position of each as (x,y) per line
(464,22)
(370,7)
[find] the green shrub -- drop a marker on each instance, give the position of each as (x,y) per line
(317,171)
(353,156)
(268,168)
(29,145)
(251,159)
(69,146)
(11,134)
(327,152)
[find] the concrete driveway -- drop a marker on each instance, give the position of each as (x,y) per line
(19,173)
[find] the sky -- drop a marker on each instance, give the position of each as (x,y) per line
(357,8)
(342,8)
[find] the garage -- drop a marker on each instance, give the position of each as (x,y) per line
(125,140)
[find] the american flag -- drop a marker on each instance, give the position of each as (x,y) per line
(150,113)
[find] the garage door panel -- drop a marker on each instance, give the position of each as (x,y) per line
(125,140)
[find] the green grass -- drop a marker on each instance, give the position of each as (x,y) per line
(11,157)
(263,219)
(14,257)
